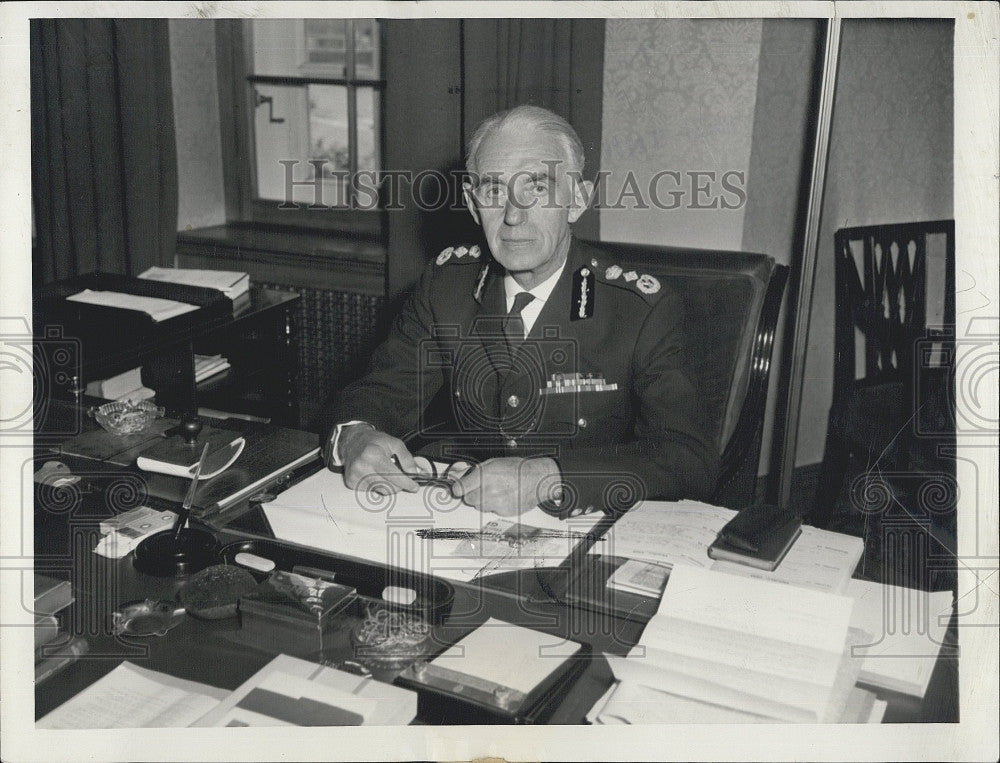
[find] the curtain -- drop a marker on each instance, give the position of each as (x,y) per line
(104,161)
(555,63)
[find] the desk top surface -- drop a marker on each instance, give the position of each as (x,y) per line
(213,653)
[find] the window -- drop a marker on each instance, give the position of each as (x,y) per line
(307,97)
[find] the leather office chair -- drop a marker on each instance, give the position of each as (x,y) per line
(732,301)
(891,416)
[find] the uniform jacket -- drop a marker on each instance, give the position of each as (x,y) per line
(597,384)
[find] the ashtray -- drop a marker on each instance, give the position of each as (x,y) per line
(125,417)
(147,618)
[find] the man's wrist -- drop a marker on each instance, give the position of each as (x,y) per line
(338,431)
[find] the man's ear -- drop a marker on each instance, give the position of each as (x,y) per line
(470,202)
(583,194)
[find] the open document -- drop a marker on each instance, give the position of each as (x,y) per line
(429,531)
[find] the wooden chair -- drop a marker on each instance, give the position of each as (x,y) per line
(732,301)
(881,283)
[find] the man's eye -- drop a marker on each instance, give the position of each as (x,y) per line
(539,188)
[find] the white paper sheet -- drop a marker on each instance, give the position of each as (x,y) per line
(666,532)
(680,532)
(744,644)
(133,697)
(157,309)
(906,627)
(323,513)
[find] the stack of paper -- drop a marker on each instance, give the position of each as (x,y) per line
(133,697)
(323,513)
(669,533)
(206,366)
(906,629)
(157,309)
(229,282)
(747,647)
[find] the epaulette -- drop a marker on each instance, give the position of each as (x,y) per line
(645,285)
(459,254)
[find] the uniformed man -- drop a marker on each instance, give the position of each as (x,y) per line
(555,371)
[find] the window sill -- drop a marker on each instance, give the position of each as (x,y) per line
(288,255)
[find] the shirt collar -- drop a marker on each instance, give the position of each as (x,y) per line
(541,292)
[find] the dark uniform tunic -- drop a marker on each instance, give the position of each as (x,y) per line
(597,384)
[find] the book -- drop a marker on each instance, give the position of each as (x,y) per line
(229,282)
(46,629)
(757,536)
(291,691)
(57,655)
(175,457)
(51,595)
(746,645)
(115,386)
(681,532)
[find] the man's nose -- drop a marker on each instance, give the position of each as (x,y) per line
(514,212)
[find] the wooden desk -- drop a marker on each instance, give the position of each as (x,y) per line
(211,652)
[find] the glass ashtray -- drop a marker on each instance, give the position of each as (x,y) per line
(124,417)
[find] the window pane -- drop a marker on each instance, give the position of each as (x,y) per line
(369,113)
(313,48)
(314,128)
(366,58)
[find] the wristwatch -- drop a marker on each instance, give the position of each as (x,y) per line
(334,455)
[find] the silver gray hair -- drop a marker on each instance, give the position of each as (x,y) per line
(527,117)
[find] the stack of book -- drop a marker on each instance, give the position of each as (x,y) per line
(55,647)
(233,284)
(207,366)
(125,386)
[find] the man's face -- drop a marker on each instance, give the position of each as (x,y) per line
(525,202)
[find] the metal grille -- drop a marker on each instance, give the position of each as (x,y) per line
(336,332)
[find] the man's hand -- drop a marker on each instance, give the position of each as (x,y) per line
(367,457)
(507,486)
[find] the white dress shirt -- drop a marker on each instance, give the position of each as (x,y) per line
(540,293)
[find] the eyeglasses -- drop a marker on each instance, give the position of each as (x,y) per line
(431,475)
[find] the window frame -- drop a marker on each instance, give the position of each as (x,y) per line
(237,109)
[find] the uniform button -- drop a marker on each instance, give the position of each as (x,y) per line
(582,423)
(513,401)
(511,443)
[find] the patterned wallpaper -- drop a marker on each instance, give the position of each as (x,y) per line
(679,95)
(201,197)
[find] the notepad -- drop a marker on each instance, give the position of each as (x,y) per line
(156,308)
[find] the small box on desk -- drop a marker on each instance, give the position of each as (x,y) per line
(290,612)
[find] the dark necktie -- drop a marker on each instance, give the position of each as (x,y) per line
(513,326)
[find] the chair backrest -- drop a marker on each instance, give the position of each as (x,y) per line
(881,291)
(731,301)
